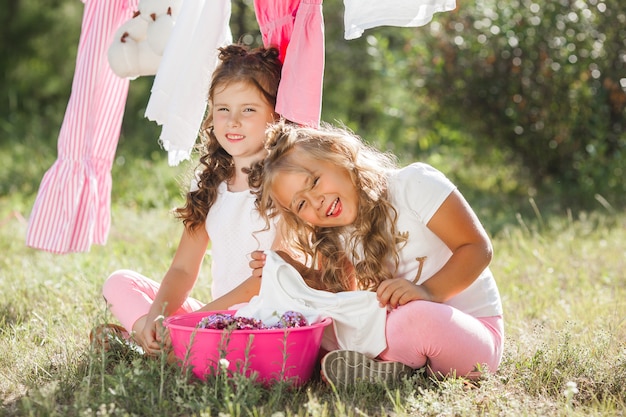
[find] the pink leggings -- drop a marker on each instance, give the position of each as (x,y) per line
(129,296)
(446,340)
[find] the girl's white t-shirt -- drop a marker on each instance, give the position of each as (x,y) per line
(417,191)
(234,227)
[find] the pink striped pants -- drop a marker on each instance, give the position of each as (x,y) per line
(72,209)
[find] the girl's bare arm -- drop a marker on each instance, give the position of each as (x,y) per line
(458,226)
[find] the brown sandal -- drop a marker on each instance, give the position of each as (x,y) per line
(102,335)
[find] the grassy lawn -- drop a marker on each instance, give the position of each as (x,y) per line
(561,274)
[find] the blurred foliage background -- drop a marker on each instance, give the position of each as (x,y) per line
(532,91)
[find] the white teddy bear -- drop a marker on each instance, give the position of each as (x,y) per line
(138,44)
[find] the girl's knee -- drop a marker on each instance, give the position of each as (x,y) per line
(116,282)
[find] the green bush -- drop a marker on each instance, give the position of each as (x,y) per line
(543,80)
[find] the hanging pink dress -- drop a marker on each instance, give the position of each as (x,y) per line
(72,209)
(296,28)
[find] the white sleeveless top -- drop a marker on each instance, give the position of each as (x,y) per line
(232,224)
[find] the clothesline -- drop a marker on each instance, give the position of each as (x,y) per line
(72,209)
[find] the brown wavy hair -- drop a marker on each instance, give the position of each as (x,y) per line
(259,68)
(371,242)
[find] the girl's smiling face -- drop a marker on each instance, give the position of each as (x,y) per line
(323,194)
(240,116)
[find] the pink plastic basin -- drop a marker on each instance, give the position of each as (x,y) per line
(275,354)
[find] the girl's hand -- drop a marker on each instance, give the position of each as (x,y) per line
(398,291)
(150,335)
(257,263)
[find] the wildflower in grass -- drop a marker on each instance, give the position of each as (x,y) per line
(571,389)
(313,407)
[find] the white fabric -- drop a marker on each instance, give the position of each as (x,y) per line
(358,320)
(179,93)
(365,14)
(417,191)
(229,224)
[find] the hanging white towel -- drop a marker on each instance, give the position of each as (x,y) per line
(365,14)
(179,93)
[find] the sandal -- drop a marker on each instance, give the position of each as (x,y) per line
(103,335)
(347,367)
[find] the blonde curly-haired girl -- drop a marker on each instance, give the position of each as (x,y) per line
(407,233)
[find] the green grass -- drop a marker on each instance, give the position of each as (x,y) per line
(561,275)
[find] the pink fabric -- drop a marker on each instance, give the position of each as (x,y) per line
(296,28)
(129,296)
(446,340)
(276,20)
(72,207)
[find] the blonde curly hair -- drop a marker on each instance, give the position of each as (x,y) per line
(371,242)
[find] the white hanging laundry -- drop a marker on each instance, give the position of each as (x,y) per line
(179,93)
(365,14)
(138,44)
